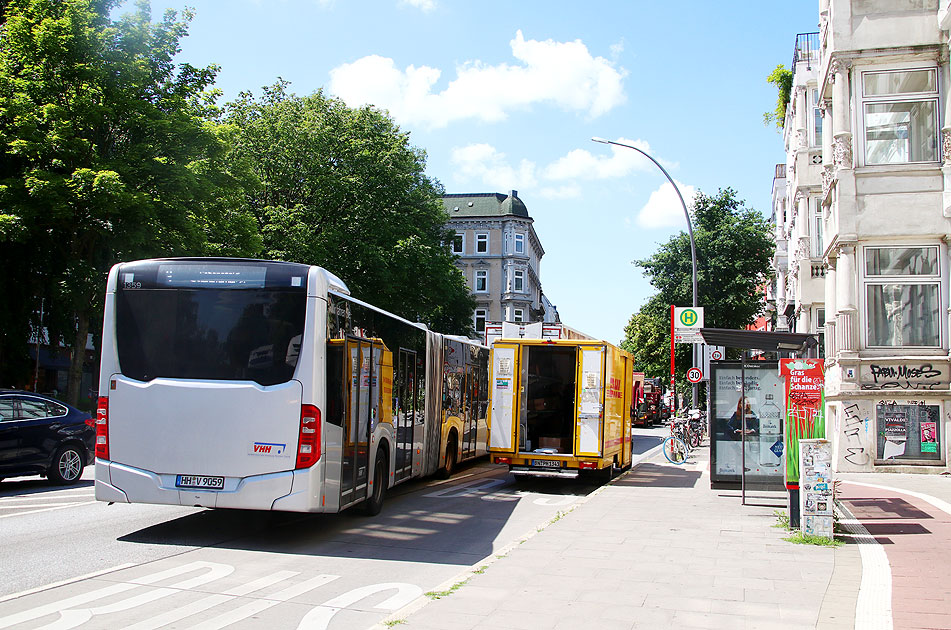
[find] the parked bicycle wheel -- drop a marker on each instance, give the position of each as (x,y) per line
(675,450)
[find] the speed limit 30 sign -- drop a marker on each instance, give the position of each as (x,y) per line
(694,375)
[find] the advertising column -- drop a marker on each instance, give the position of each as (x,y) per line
(805,417)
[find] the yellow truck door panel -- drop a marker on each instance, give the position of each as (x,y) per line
(503,399)
(590,409)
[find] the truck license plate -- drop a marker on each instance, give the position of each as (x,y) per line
(198,481)
(546,463)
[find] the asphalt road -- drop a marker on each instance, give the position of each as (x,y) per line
(71,562)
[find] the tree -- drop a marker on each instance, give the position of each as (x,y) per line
(782,78)
(343,188)
(734,248)
(109,155)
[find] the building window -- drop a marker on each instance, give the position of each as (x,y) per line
(816,119)
(815,234)
(902,297)
(518,315)
(519,243)
(458,244)
(479,319)
(900,116)
(820,322)
(481,281)
(482,243)
(518,281)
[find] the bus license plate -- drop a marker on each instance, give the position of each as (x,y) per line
(197,481)
(546,463)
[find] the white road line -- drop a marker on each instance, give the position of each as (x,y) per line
(64,494)
(211,601)
(252,608)
(49,509)
(46,587)
(944,506)
(6,505)
(873,610)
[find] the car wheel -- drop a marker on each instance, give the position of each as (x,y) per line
(67,466)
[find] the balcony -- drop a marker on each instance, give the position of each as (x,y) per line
(806,51)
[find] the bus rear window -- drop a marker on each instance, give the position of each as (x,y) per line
(210,333)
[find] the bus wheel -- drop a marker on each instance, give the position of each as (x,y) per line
(449,463)
(374,502)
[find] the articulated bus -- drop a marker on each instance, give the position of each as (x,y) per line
(250,384)
(561,407)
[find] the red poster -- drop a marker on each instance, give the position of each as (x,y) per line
(805,408)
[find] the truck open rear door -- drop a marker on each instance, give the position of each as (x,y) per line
(503,392)
(590,409)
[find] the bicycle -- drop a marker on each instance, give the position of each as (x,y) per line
(676,449)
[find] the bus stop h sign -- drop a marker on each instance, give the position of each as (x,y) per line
(687,324)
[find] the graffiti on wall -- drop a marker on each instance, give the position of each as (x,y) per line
(910,376)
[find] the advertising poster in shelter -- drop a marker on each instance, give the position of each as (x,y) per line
(805,408)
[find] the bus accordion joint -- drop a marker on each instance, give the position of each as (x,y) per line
(102,428)
(308,443)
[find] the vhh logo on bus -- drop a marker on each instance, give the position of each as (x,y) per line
(268,448)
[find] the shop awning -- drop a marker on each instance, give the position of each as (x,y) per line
(768,340)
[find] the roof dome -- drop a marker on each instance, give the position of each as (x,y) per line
(513,205)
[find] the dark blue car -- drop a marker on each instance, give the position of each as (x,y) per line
(40,435)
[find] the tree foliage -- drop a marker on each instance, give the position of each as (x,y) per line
(109,155)
(734,248)
(343,188)
(782,78)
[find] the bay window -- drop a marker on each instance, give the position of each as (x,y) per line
(900,116)
(518,281)
(902,289)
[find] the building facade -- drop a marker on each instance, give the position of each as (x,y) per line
(500,255)
(863,224)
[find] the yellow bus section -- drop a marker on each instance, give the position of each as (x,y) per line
(561,407)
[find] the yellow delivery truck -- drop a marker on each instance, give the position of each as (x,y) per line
(561,407)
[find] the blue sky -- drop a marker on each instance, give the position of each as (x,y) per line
(506,95)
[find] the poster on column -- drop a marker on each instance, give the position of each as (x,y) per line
(805,408)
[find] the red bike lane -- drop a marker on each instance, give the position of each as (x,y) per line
(916,537)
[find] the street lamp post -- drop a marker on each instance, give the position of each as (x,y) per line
(693,249)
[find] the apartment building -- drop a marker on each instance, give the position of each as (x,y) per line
(862,210)
(500,255)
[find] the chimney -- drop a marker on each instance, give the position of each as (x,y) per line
(513,194)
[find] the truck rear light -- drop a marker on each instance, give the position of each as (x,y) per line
(308,442)
(503,460)
(102,428)
(588,465)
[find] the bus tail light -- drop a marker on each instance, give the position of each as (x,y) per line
(588,465)
(102,428)
(503,460)
(308,443)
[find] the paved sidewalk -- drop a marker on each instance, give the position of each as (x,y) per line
(656,548)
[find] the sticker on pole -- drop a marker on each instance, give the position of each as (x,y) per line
(694,375)
(716,355)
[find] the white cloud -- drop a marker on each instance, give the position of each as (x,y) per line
(582,164)
(663,208)
(571,191)
(423,5)
(561,73)
(484,163)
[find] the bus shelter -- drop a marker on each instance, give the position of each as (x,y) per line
(746,409)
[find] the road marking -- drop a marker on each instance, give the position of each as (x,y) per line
(466,489)
(319,618)
(944,506)
(243,612)
(214,571)
(211,601)
(46,587)
(873,610)
(49,509)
